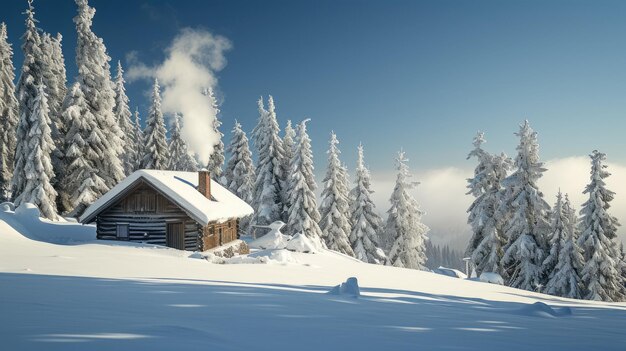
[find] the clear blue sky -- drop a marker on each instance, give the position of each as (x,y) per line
(424,75)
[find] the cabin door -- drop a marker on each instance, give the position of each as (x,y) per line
(175,236)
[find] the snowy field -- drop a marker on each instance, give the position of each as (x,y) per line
(62,290)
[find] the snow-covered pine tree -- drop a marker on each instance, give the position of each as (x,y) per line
(8,114)
(94,77)
(54,81)
(525,213)
(288,148)
(81,184)
(335,222)
(478,186)
(303,214)
(26,93)
(485,248)
(601,275)
(240,168)
(565,280)
(404,222)
(157,152)
(180,160)
(239,172)
(216,160)
(556,237)
(35,157)
(122,116)
(139,138)
(366,223)
(268,204)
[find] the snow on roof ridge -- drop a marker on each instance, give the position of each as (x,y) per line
(181,187)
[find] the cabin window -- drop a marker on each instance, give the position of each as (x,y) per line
(122,231)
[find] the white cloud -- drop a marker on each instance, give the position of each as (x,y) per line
(192,59)
(441,194)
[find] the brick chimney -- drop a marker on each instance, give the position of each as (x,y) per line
(204,183)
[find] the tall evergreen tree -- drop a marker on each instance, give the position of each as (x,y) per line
(81,184)
(526,214)
(485,247)
(8,114)
(366,223)
(565,280)
(268,204)
(303,214)
(601,274)
(35,157)
(27,92)
(335,222)
(180,160)
(157,152)
(477,186)
(404,222)
(140,147)
(239,172)
(556,237)
(216,160)
(288,148)
(240,168)
(94,77)
(54,81)
(122,116)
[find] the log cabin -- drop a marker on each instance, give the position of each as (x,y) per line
(182,210)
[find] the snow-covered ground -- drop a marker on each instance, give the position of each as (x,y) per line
(62,290)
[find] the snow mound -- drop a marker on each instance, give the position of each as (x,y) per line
(491,277)
(272,240)
(7,206)
(282,256)
(300,243)
(540,309)
(27,212)
(349,288)
(454,273)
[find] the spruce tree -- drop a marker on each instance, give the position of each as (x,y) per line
(556,237)
(239,174)
(94,77)
(303,214)
(366,223)
(565,280)
(404,222)
(525,213)
(54,81)
(180,160)
(35,157)
(140,147)
(288,148)
(601,275)
(82,183)
(157,152)
(478,186)
(27,92)
(334,207)
(216,160)
(8,114)
(268,204)
(485,248)
(122,116)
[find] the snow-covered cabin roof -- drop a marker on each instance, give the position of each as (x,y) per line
(181,188)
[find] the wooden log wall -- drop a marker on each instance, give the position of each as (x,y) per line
(147,213)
